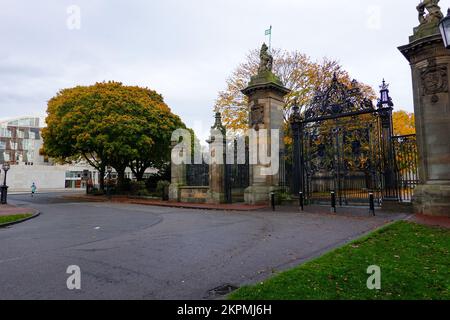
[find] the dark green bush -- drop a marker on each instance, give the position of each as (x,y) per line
(138,188)
(163,189)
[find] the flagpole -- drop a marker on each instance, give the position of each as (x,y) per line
(270,40)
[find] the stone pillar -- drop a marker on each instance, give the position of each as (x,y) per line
(266,94)
(178,178)
(430,64)
(217,165)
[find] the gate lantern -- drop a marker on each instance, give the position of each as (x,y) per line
(444,27)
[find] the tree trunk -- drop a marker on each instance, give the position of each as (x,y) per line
(139,171)
(101,178)
(139,175)
(120,178)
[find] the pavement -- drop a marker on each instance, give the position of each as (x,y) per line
(433,221)
(46,191)
(130,251)
(9,210)
(160,203)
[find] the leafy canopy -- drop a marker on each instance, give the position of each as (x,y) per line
(404,123)
(110,124)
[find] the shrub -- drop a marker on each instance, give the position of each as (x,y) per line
(162,185)
(163,189)
(96,192)
(138,188)
(163,174)
(126,186)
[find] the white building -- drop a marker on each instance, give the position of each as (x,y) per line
(20,142)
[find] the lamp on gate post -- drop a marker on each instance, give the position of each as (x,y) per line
(108,183)
(4,188)
(385,100)
(444,27)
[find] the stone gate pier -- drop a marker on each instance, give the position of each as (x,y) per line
(266,94)
(430,64)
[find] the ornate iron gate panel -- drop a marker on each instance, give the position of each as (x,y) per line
(342,144)
(406,160)
(197,175)
(344,157)
(237,175)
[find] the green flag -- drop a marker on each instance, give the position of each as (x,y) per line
(269,31)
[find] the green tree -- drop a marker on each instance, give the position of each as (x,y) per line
(110,124)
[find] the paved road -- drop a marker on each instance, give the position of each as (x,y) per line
(139,252)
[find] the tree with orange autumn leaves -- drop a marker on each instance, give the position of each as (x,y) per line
(404,123)
(109,124)
(303,77)
(297,72)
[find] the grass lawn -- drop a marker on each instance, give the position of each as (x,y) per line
(13,218)
(414,262)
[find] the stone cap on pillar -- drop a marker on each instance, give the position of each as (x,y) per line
(418,45)
(266,81)
(217,127)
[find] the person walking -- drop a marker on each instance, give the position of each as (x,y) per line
(33,189)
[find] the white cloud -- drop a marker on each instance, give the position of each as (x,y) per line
(186,49)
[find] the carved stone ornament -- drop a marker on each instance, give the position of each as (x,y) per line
(434,12)
(266,63)
(434,79)
(257,115)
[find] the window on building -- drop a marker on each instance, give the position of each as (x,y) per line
(74,174)
(27,144)
(20,134)
(5,133)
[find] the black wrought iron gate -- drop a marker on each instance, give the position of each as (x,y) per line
(342,157)
(344,144)
(407,165)
(237,174)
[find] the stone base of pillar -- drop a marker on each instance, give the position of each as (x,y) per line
(174,192)
(259,195)
(432,200)
(215,197)
(395,206)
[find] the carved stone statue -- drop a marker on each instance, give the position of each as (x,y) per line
(434,12)
(266,63)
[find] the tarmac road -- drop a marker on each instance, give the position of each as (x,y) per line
(140,252)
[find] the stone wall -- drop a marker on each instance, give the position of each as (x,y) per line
(194,194)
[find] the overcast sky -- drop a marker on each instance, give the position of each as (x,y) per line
(185,49)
